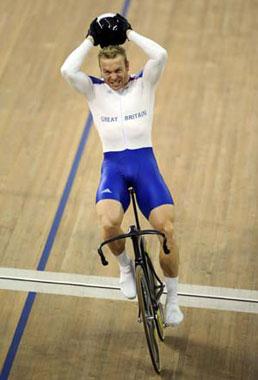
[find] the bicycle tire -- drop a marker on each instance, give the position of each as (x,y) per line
(159,313)
(148,317)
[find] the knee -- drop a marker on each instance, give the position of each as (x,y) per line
(168,230)
(109,225)
(167,227)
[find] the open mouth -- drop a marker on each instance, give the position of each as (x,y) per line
(116,84)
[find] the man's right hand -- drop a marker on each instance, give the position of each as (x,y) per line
(90,38)
(95,32)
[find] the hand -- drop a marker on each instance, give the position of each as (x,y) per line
(90,38)
(95,32)
(124,23)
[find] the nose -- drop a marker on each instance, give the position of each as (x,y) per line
(113,76)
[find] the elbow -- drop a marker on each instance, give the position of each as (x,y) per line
(64,71)
(164,56)
(161,58)
(67,71)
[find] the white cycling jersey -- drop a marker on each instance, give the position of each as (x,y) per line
(123,118)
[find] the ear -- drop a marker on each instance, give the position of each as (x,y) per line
(127,65)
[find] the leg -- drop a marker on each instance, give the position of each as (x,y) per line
(111,214)
(162,218)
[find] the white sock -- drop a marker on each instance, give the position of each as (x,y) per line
(123,259)
(171,285)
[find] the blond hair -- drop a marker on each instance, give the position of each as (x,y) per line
(112,51)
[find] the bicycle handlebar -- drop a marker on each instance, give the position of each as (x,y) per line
(131,234)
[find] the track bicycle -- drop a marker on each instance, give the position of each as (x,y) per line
(149,287)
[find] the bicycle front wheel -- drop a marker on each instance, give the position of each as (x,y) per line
(159,313)
(148,317)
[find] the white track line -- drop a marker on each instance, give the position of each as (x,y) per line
(239,300)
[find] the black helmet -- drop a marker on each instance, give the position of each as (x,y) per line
(112,29)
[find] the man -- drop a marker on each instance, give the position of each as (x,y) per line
(122,109)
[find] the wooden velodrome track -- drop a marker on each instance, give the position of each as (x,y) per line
(206,141)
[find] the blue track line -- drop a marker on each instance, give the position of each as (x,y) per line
(50,241)
(65,196)
(125,7)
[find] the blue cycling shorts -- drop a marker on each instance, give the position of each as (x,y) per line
(135,168)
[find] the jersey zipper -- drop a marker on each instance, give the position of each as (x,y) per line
(122,121)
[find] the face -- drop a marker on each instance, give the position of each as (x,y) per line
(115,72)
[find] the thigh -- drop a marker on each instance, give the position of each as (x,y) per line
(110,212)
(161,215)
(151,189)
(112,186)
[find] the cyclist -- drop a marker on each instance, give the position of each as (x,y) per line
(122,109)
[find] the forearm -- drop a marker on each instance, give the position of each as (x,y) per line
(71,68)
(157,56)
(75,60)
(151,48)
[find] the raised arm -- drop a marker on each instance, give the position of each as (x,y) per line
(157,56)
(71,68)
